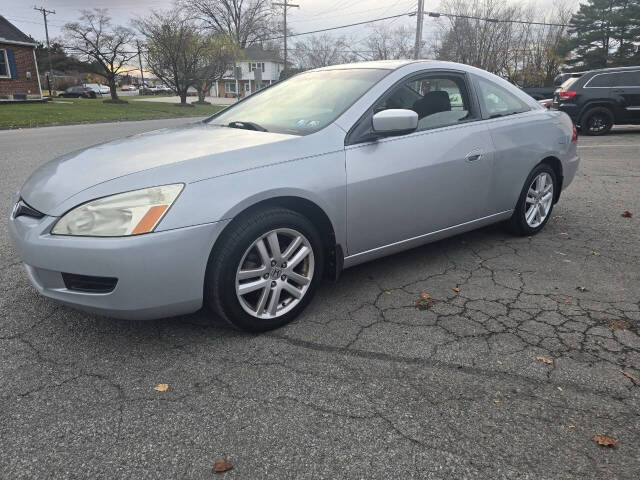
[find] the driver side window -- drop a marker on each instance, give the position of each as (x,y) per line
(439,100)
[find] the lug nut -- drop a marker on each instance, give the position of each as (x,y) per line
(273,284)
(284,265)
(283,277)
(273,263)
(265,276)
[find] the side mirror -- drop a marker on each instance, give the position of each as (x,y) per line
(395,121)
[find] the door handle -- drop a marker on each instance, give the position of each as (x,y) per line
(473,156)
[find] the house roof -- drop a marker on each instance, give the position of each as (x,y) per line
(9,33)
(256,53)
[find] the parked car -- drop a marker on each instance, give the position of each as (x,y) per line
(599,99)
(248,210)
(78,92)
(100,89)
(129,88)
(540,93)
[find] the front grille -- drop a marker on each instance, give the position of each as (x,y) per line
(22,209)
(89,284)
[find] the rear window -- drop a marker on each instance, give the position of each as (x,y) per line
(566,85)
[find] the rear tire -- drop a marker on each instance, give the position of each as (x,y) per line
(535,204)
(597,121)
(253,252)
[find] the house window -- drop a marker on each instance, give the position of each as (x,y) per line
(256,66)
(247,87)
(230,87)
(4,65)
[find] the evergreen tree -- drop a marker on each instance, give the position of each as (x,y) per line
(606,34)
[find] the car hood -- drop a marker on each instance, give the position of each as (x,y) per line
(70,174)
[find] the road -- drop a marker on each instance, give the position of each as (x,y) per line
(364,385)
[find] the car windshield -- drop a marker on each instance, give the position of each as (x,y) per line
(302,104)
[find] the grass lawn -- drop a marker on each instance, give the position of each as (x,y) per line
(78,110)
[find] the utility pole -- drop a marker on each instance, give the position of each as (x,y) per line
(416,52)
(140,62)
(286,5)
(46,31)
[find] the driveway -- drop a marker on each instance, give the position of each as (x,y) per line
(524,349)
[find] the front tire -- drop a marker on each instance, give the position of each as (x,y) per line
(265,269)
(597,121)
(535,204)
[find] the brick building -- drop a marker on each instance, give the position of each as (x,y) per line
(19,79)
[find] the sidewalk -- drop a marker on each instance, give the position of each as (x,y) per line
(176,99)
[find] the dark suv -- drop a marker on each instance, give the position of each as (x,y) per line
(598,99)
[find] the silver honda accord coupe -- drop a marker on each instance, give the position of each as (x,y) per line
(247,211)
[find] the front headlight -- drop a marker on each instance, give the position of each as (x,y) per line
(130,213)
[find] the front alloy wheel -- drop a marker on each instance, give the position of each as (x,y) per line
(275,273)
(264,269)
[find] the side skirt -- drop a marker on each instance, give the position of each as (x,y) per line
(396,247)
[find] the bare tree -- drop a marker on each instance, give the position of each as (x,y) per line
(216,60)
(385,43)
(248,21)
(512,44)
(175,49)
(106,47)
(321,51)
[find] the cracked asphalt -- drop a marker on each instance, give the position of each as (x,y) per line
(364,385)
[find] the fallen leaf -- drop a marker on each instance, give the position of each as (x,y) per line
(619,325)
(564,233)
(630,377)
(499,362)
(559,388)
(593,252)
(424,302)
(605,440)
(388,292)
(161,387)
(496,401)
(572,426)
(479,262)
(456,289)
(626,214)
(582,289)
(222,465)
(543,359)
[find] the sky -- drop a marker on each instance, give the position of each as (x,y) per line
(312,14)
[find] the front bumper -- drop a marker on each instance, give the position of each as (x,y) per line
(158,275)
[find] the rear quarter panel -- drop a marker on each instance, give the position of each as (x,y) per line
(521,142)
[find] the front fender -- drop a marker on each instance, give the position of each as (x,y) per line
(319,179)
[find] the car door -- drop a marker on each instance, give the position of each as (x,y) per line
(626,90)
(436,177)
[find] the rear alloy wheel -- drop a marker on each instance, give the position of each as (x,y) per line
(536,201)
(265,269)
(597,121)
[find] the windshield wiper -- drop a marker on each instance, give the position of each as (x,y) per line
(247,126)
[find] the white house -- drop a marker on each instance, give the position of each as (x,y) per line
(258,68)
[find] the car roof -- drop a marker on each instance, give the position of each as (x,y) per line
(379,64)
(613,69)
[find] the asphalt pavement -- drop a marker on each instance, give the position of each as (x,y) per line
(528,349)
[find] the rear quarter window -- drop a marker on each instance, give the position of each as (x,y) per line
(601,80)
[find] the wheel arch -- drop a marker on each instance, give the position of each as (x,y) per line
(556,165)
(334,256)
(601,103)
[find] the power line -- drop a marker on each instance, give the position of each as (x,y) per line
(342,26)
(493,20)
